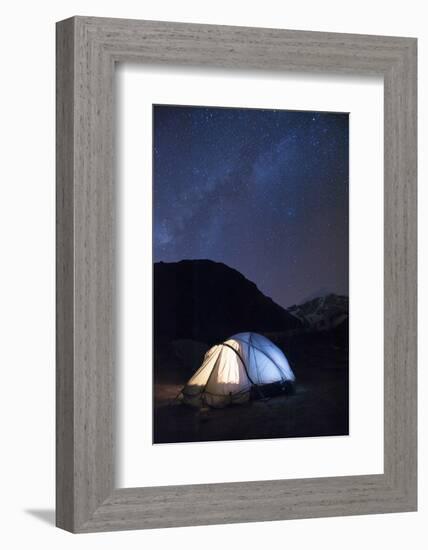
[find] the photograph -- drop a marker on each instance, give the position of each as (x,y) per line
(250,273)
(210,275)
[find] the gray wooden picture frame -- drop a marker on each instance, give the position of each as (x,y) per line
(86,497)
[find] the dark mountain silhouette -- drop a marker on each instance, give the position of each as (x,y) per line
(209,301)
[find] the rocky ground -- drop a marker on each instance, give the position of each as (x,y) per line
(319,406)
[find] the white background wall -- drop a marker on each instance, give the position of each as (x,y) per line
(27,272)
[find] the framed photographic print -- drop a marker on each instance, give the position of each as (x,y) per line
(236,274)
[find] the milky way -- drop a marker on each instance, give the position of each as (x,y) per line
(264,191)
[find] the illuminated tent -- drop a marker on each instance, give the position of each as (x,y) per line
(232,371)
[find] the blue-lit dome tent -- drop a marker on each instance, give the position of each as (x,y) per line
(244,365)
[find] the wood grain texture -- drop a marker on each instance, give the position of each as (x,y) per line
(64,277)
(87,49)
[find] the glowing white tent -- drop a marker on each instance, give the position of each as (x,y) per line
(230,370)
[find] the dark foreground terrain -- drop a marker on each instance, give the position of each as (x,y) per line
(319,406)
(198,303)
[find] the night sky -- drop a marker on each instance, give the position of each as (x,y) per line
(263,191)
